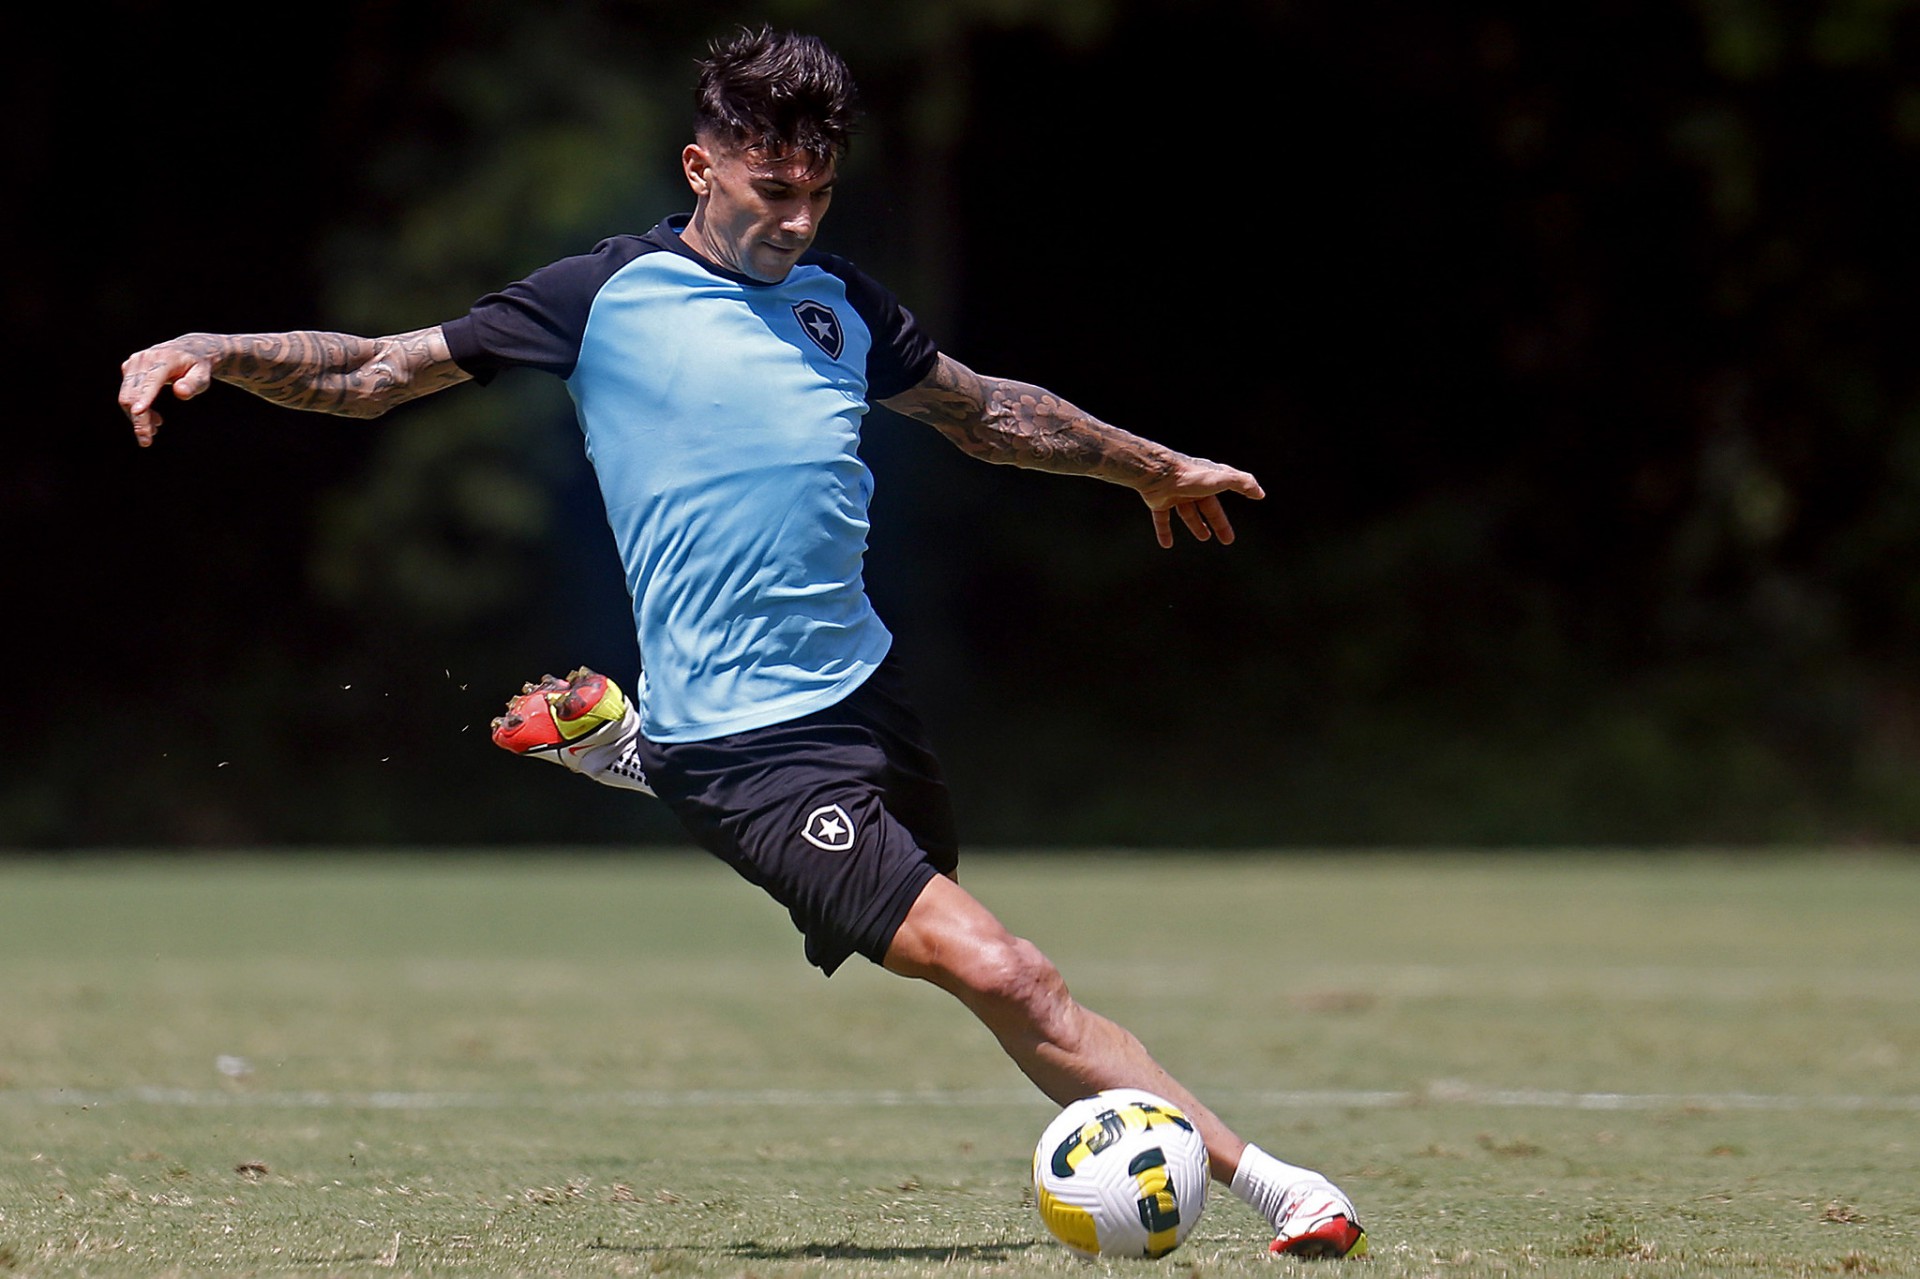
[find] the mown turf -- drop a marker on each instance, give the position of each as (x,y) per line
(1566,1064)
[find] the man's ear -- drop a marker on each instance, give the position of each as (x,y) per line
(697,163)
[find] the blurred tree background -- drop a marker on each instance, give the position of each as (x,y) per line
(1574,346)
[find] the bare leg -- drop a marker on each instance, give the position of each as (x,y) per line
(1069,1051)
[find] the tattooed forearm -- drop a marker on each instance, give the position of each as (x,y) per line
(1018,424)
(1013,422)
(334,373)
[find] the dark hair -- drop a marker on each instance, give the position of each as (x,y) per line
(778,91)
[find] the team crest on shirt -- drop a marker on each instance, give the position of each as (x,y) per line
(829,828)
(818,322)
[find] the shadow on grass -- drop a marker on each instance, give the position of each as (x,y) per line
(751,1251)
(859,1252)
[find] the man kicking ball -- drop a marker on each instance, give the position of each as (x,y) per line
(721,369)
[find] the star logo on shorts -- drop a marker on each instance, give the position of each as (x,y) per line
(819,322)
(829,828)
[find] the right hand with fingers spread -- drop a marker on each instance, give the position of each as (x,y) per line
(183,364)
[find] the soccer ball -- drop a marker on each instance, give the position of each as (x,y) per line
(1120,1174)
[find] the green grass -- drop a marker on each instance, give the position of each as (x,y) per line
(1565,1065)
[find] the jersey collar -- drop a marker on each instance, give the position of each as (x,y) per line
(667,236)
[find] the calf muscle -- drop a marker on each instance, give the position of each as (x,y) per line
(1065,1048)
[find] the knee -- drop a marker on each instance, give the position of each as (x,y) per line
(951,940)
(1010,982)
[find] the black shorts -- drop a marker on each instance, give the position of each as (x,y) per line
(840,815)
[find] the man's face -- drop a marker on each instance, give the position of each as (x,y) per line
(755,214)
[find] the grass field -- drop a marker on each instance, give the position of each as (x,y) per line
(1571,1065)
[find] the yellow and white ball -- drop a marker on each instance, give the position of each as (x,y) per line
(1122,1173)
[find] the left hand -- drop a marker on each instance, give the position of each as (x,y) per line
(1192,490)
(186,364)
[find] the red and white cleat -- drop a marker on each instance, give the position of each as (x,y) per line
(567,715)
(583,723)
(1319,1222)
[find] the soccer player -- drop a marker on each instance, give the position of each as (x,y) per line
(721,368)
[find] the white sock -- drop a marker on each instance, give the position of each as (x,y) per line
(1264,1181)
(614,757)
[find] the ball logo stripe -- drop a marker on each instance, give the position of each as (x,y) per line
(1092,1138)
(1159,1208)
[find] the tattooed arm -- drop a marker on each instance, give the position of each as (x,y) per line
(324,372)
(1018,424)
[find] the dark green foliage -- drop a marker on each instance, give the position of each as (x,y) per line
(1573,344)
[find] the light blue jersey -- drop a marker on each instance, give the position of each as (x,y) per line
(722,417)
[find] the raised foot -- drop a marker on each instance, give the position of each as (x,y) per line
(553,712)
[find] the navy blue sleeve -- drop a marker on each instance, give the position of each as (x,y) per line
(538,322)
(903,354)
